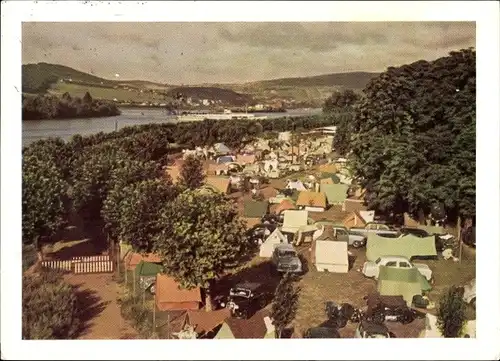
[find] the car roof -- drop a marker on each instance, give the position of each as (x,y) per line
(323,332)
(395,258)
(248,285)
(373,328)
(284,246)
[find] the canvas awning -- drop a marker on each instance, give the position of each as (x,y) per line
(408,246)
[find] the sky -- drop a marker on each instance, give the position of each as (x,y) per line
(196,53)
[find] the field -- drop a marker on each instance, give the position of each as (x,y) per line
(122,95)
(318,287)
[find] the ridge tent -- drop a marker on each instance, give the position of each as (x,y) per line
(267,248)
(406,282)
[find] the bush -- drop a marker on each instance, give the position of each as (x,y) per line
(29,256)
(50,308)
(141,318)
(451,313)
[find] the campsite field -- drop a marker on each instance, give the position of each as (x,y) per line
(319,287)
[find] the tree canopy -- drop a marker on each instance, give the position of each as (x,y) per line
(44,194)
(201,236)
(451,313)
(413,137)
(192,173)
(50,308)
(132,214)
(285,303)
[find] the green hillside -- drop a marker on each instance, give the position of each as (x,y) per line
(353,80)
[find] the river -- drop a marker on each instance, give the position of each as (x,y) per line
(65,128)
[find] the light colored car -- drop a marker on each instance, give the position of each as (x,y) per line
(286,259)
(470,292)
(371,269)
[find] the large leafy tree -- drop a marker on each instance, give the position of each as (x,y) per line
(129,173)
(137,208)
(413,137)
(50,308)
(192,173)
(285,303)
(451,310)
(202,237)
(340,101)
(44,196)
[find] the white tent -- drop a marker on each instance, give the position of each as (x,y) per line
(331,256)
(294,219)
(266,248)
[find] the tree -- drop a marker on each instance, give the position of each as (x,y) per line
(50,309)
(134,211)
(87,98)
(451,313)
(202,237)
(340,101)
(192,173)
(44,197)
(413,137)
(285,303)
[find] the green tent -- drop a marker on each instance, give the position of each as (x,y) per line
(148,269)
(335,193)
(254,209)
(406,282)
(333,176)
(408,246)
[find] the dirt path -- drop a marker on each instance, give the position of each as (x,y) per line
(98,297)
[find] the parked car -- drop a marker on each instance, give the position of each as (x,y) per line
(371,269)
(468,236)
(389,308)
(322,332)
(368,329)
(342,233)
(245,299)
(375,227)
(470,293)
(286,259)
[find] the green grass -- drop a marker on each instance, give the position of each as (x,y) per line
(121,95)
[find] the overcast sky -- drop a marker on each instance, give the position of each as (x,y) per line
(190,53)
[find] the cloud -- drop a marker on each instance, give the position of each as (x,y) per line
(237,52)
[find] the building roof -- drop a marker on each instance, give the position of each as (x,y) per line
(335,193)
(220,184)
(133,259)
(255,209)
(245,159)
(312,199)
(148,269)
(285,204)
(204,322)
(168,290)
(351,205)
(254,327)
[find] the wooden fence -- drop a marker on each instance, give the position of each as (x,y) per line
(81,265)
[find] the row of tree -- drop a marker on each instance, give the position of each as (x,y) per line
(52,107)
(411,136)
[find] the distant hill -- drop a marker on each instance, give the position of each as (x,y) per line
(37,78)
(352,80)
(211,93)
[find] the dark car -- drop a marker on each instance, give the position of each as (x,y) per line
(368,329)
(468,236)
(260,232)
(247,298)
(389,308)
(322,332)
(339,315)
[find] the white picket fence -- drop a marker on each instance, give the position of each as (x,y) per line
(80,265)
